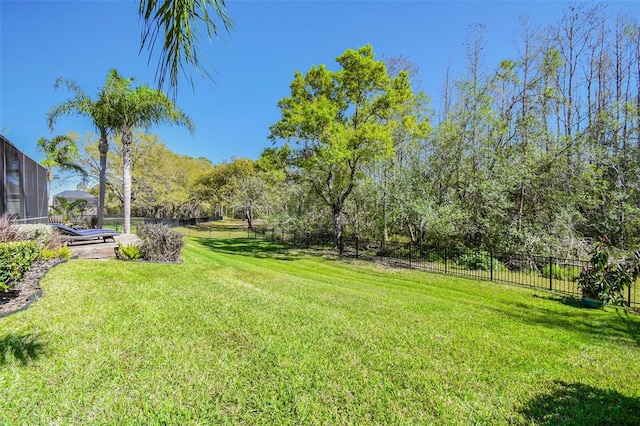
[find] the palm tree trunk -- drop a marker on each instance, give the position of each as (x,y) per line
(127,137)
(103,147)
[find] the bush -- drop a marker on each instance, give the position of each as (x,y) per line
(16,258)
(432,256)
(556,272)
(606,278)
(475,261)
(160,243)
(44,235)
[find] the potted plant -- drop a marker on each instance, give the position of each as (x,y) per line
(604,280)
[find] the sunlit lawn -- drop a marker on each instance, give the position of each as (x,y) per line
(250,332)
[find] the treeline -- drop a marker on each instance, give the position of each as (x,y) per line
(540,153)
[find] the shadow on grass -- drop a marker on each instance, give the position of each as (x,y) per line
(623,328)
(21,347)
(253,248)
(580,404)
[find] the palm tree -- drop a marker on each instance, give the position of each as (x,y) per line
(136,107)
(179,21)
(60,152)
(82,104)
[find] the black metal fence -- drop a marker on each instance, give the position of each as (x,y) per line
(535,271)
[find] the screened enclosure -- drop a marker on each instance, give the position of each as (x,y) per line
(23,185)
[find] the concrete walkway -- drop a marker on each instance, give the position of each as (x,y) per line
(99,250)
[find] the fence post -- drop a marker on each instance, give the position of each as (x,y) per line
(629,293)
(445,259)
(410,254)
(491,265)
(550,273)
(357,244)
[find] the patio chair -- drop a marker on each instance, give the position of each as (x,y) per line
(69,235)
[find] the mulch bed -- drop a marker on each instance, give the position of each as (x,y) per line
(27,291)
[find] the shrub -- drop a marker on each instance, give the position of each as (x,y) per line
(606,278)
(40,233)
(160,243)
(16,258)
(432,256)
(475,261)
(556,272)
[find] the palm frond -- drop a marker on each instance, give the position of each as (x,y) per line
(179,22)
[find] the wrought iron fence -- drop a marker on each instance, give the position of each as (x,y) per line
(530,270)
(535,271)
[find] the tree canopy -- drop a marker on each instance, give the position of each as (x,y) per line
(340,122)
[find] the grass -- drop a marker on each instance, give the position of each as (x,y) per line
(250,332)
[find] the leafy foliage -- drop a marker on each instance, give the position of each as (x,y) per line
(15,259)
(129,251)
(68,209)
(62,252)
(341,122)
(179,22)
(558,272)
(606,278)
(43,235)
(478,260)
(160,243)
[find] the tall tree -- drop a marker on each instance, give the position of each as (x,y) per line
(60,152)
(98,111)
(131,107)
(339,122)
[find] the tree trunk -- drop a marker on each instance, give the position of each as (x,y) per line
(50,186)
(103,147)
(337,227)
(127,137)
(249,215)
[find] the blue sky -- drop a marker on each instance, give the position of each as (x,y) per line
(82,40)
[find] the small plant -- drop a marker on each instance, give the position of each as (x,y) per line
(7,229)
(62,252)
(129,252)
(605,278)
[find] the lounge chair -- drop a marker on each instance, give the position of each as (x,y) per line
(70,235)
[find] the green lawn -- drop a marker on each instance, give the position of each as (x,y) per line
(248,332)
